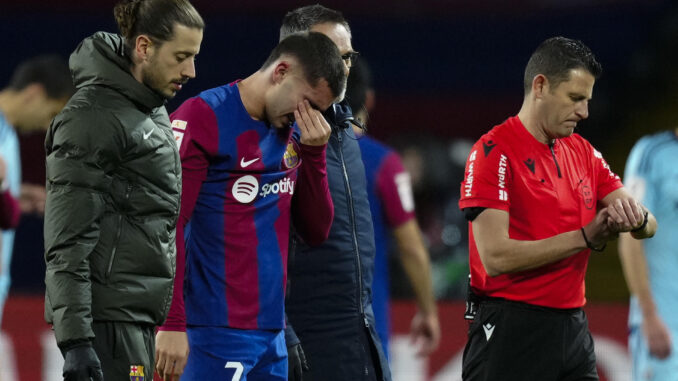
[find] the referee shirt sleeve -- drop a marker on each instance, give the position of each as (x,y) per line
(487,177)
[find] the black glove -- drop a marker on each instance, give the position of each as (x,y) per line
(296,363)
(82,364)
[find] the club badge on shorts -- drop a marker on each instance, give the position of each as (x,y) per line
(291,158)
(136,373)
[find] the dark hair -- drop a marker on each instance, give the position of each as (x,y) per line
(51,71)
(358,83)
(303,18)
(155,18)
(318,57)
(556,57)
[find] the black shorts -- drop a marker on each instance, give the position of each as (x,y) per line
(125,349)
(517,341)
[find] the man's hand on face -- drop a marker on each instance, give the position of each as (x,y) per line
(315,131)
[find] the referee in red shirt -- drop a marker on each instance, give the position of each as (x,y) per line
(539,198)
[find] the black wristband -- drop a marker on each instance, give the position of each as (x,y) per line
(641,227)
(589,245)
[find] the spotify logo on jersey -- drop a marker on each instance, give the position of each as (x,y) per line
(245,189)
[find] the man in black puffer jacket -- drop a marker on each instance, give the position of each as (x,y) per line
(113,191)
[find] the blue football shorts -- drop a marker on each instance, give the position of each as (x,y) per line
(227,354)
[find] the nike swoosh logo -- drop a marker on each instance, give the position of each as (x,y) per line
(489,328)
(247,163)
(148,135)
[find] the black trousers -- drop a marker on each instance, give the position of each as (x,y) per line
(516,341)
(126,350)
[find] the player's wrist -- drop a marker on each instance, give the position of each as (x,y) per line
(312,149)
(590,244)
(641,228)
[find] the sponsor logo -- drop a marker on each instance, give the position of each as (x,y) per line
(487,147)
(245,189)
(283,186)
(136,373)
(489,329)
(468,184)
(247,163)
(179,124)
(501,171)
(290,158)
(530,165)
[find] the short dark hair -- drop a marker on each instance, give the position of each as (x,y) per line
(304,18)
(155,18)
(318,57)
(556,57)
(358,83)
(50,71)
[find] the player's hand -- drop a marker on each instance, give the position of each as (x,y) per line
(297,363)
(657,335)
(597,231)
(425,333)
(626,214)
(32,198)
(315,131)
(81,363)
(171,354)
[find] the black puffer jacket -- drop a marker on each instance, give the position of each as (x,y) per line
(113,191)
(329,303)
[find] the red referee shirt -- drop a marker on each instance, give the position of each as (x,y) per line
(547,190)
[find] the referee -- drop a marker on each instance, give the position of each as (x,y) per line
(539,198)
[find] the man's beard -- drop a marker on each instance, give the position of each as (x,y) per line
(153,79)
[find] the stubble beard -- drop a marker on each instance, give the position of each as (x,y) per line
(152,79)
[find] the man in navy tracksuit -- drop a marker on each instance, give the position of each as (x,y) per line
(329,304)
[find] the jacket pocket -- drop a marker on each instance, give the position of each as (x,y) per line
(116,239)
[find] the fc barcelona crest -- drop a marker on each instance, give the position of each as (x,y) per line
(291,158)
(136,373)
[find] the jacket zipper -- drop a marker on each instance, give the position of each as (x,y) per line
(177,171)
(554,159)
(117,237)
(355,234)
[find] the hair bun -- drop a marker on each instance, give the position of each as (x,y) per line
(125,13)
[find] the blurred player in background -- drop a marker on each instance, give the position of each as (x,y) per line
(329,304)
(539,198)
(9,206)
(240,156)
(113,182)
(392,208)
(37,91)
(651,266)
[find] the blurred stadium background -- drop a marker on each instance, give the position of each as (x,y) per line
(445,72)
